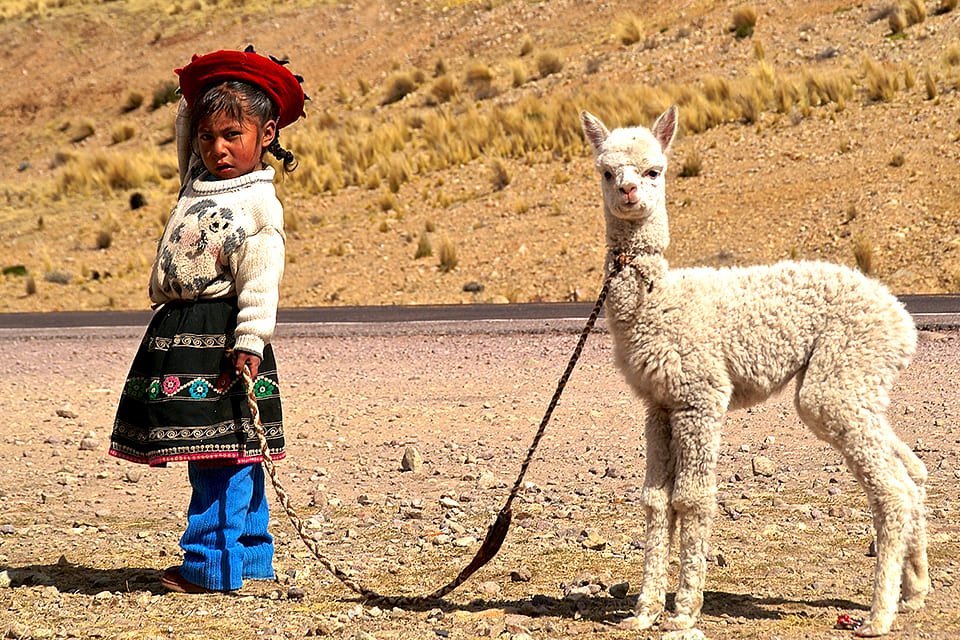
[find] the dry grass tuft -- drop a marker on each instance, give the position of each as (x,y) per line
(30,286)
(122,132)
(104,239)
(164,94)
(863,253)
(80,131)
(930,84)
(915,11)
(692,165)
(500,177)
(447,254)
(628,30)
(951,57)
(880,81)
(518,73)
(526,46)
(444,88)
(399,86)
(548,63)
(744,21)
(897,160)
(424,248)
(132,102)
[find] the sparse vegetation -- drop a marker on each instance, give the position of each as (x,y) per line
(424,248)
(526,46)
(165,93)
(58,277)
(80,131)
(500,177)
(897,160)
(30,286)
(519,73)
(447,254)
(399,86)
(880,81)
(863,253)
(692,165)
(744,21)
(132,102)
(915,11)
(104,239)
(897,21)
(628,30)
(122,132)
(444,88)
(548,63)
(930,84)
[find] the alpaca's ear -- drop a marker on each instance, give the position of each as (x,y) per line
(595,131)
(665,127)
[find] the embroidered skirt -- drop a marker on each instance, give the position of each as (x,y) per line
(183,400)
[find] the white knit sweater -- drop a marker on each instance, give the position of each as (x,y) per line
(224,238)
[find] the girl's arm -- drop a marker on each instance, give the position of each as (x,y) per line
(257,266)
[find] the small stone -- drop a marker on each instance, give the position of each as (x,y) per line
(364,500)
(296,593)
(487,480)
(721,560)
(412,460)
(7,530)
(466,541)
(619,590)
(763,466)
(489,589)
(66,411)
(520,575)
(594,541)
(132,476)
(611,472)
(473,287)
(872,549)
(5,580)
(685,634)
(89,444)
(449,503)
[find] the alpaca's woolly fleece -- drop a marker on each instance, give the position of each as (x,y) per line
(694,343)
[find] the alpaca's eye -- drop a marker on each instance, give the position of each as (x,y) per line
(653,174)
(608,174)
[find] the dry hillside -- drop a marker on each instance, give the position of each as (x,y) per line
(825,129)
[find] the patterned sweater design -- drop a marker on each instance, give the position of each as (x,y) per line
(225,238)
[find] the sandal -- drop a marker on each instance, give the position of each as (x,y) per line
(173,581)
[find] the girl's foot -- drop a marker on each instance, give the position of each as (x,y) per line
(173,581)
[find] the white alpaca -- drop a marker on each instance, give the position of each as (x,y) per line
(694,343)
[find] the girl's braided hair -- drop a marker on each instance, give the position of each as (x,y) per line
(240,101)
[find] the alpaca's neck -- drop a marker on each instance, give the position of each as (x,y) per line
(649,237)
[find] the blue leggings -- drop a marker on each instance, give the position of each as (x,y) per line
(226,539)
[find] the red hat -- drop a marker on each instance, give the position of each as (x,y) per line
(267,73)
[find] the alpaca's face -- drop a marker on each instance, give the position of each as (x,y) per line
(632,163)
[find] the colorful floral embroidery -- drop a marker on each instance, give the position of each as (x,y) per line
(171,384)
(154,390)
(199,388)
(264,387)
(136,387)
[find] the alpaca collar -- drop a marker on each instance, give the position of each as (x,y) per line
(622,257)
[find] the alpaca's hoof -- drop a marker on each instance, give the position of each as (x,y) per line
(641,621)
(912,603)
(872,628)
(678,622)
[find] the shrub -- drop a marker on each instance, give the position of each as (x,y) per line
(15,270)
(628,30)
(399,86)
(122,132)
(444,88)
(548,63)
(519,73)
(80,131)
(930,84)
(31,286)
(744,21)
(880,82)
(439,69)
(164,94)
(691,166)
(424,248)
(897,160)
(132,102)
(951,56)
(104,239)
(478,74)
(863,254)
(526,47)
(447,255)
(500,177)
(915,11)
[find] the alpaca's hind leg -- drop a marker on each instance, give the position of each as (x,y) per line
(696,439)
(916,578)
(657,491)
(864,439)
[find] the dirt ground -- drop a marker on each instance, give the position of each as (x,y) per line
(83,536)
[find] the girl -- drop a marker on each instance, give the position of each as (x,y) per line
(216,278)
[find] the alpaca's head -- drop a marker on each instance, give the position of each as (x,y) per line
(632,163)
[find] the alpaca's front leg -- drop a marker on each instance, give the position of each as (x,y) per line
(657,490)
(696,435)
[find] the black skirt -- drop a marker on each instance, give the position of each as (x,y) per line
(183,399)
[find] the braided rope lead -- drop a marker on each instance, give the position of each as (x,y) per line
(496,533)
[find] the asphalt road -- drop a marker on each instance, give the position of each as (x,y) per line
(929,312)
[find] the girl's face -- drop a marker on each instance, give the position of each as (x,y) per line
(231,148)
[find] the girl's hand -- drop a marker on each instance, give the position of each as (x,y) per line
(241,358)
